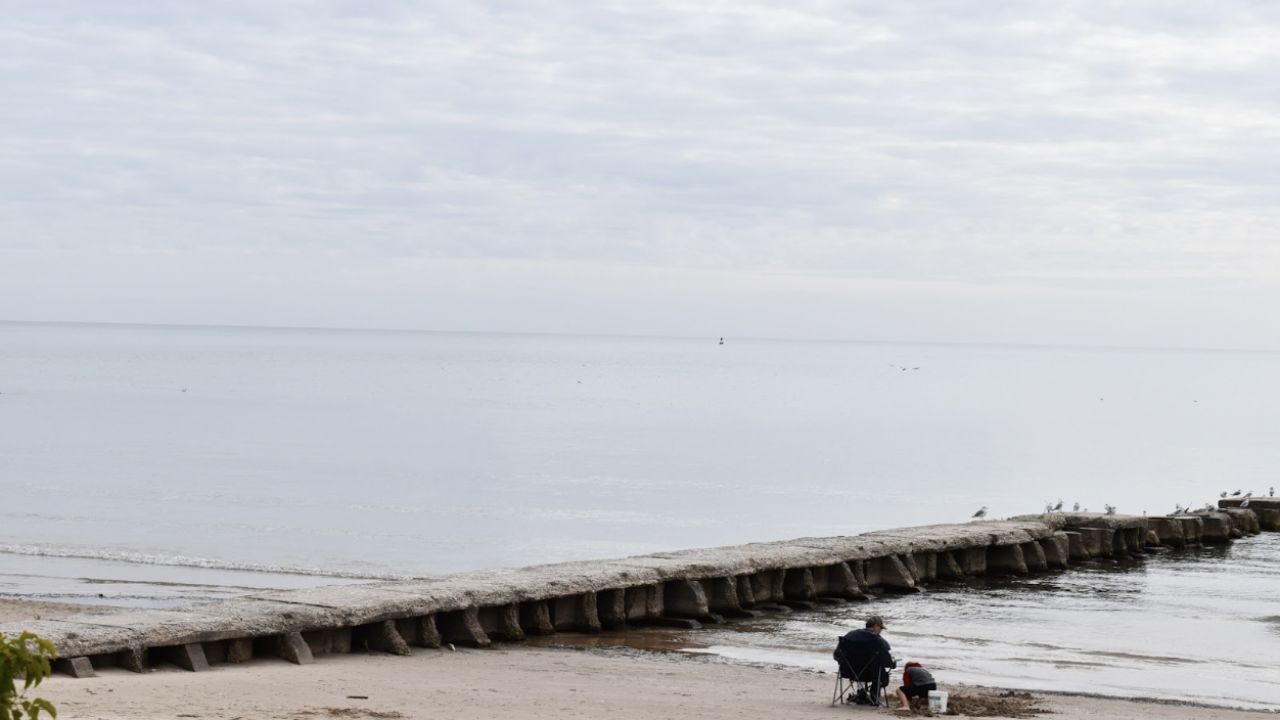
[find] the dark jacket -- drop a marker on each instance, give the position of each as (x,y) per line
(865,652)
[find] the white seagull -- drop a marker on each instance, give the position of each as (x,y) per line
(1235,493)
(981,513)
(1273,491)
(1224,494)
(1244,503)
(1076,508)
(1058,507)
(1111,510)
(1249,494)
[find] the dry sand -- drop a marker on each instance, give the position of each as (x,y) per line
(508,681)
(511,681)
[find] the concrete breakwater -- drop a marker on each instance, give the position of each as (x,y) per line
(683,588)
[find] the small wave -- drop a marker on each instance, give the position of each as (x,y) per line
(141,558)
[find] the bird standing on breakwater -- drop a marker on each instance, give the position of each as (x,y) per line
(1076,508)
(1224,494)
(1273,491)
(981,513)
(1058,507)
(1235,493)
(1244,503)
(1110,510)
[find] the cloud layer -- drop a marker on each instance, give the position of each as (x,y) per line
(1077,147)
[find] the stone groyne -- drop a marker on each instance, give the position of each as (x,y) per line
(684,588)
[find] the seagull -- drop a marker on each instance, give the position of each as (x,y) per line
(1208,507)
(1224,494)
(1177,509)
(1058,507)
(1235,493)
(1273,491)
(981,513)
(1076,508)
(1249,494)
(1111,510)
(1244,503)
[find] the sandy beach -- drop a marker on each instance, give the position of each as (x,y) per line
(509,680)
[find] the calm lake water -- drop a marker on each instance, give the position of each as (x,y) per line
(160,465)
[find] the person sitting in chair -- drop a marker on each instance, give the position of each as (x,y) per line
(916,683)
(866,656)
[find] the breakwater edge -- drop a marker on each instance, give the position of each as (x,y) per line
(717,588)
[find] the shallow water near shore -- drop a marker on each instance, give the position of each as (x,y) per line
(1172,627)
(154,466)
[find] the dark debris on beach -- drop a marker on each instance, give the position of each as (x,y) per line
(978,703)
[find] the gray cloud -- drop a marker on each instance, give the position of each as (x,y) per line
(1073,145)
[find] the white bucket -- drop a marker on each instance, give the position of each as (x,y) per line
(937,702)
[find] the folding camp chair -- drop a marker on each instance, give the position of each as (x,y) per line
(854,681)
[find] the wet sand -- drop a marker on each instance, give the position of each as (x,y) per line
(505,682)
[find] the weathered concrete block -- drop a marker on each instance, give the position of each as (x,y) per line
(722,595)
(839,581)
(1268,519)
(1057,550)
(686,598)
(293,648)
(746,597)
(1192,529)
(535,618)
(1119,544)
(611,605)
(909,562)
(948,568)
(238,650)
(767,586)
(1076,546)
(76,667)
(1006,559)
(890,573)
(189,656)
(576,612)
(383,637)
(859,568)
(927,567)
(974,561)
(1217,528)
(463,628)
(134,659)
(499,622)
(428,635)
(1169,531)
(1097,541)
(506,622)
(1246,519)
(644,602)
(798,584)
(1034,556)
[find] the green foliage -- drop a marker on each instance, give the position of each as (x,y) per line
(28,657)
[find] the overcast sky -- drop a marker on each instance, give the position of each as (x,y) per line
(969,170)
